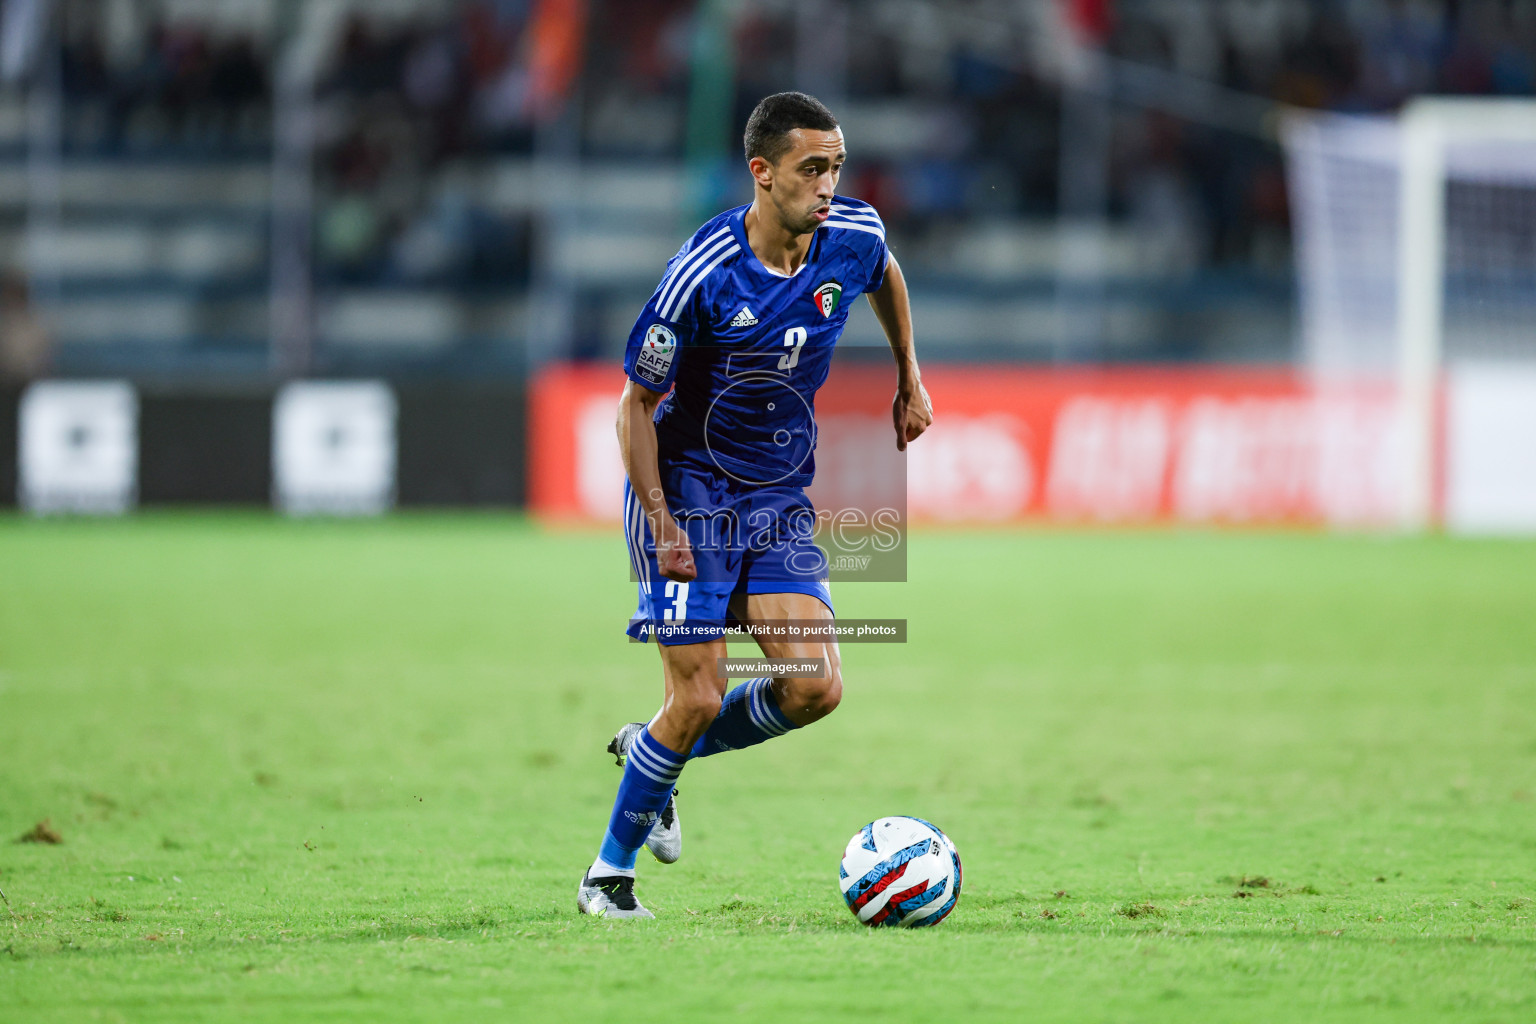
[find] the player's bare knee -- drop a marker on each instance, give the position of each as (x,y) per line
(816,697)
(829,695)
(693,712)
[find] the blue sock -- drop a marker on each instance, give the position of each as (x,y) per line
(748,715)
(650,772)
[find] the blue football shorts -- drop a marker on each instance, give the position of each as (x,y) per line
(746,539)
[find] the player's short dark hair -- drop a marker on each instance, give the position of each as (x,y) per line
(772,120)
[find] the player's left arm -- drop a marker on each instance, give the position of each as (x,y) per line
(911,412)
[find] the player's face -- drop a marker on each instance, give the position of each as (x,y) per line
(805,178)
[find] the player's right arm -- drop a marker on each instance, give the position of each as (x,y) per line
(637,444)
(651,360)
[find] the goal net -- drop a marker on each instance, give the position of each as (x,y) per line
(1416,267)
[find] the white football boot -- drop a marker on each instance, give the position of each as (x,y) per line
(666,839)
(609,897)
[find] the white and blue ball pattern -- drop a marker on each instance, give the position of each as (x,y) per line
(900,872)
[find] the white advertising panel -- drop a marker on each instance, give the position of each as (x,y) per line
(334,448)
(78,447)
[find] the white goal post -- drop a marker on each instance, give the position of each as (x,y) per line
(1416,254)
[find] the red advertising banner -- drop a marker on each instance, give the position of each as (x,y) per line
(1182,445)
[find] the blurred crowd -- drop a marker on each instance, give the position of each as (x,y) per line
(399,100)
(403,95)
(184,88)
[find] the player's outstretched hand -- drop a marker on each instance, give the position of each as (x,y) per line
(674,556)
(912,413)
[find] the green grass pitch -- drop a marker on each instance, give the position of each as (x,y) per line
(353,771)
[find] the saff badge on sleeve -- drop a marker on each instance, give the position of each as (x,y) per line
(657,351)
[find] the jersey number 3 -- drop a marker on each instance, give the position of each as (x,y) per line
(795,336)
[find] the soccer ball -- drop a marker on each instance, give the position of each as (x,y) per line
(900,871)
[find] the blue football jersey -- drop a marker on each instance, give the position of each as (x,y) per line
(743,349)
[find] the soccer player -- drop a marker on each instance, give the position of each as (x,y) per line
(740,332)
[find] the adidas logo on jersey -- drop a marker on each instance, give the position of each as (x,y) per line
(744,318)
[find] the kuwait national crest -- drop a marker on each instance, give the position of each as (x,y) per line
(827,297)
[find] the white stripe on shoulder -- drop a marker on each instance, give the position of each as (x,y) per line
(856,212)
(699,253)
(698,250)
(670,312)
(852,225)
(690,273)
